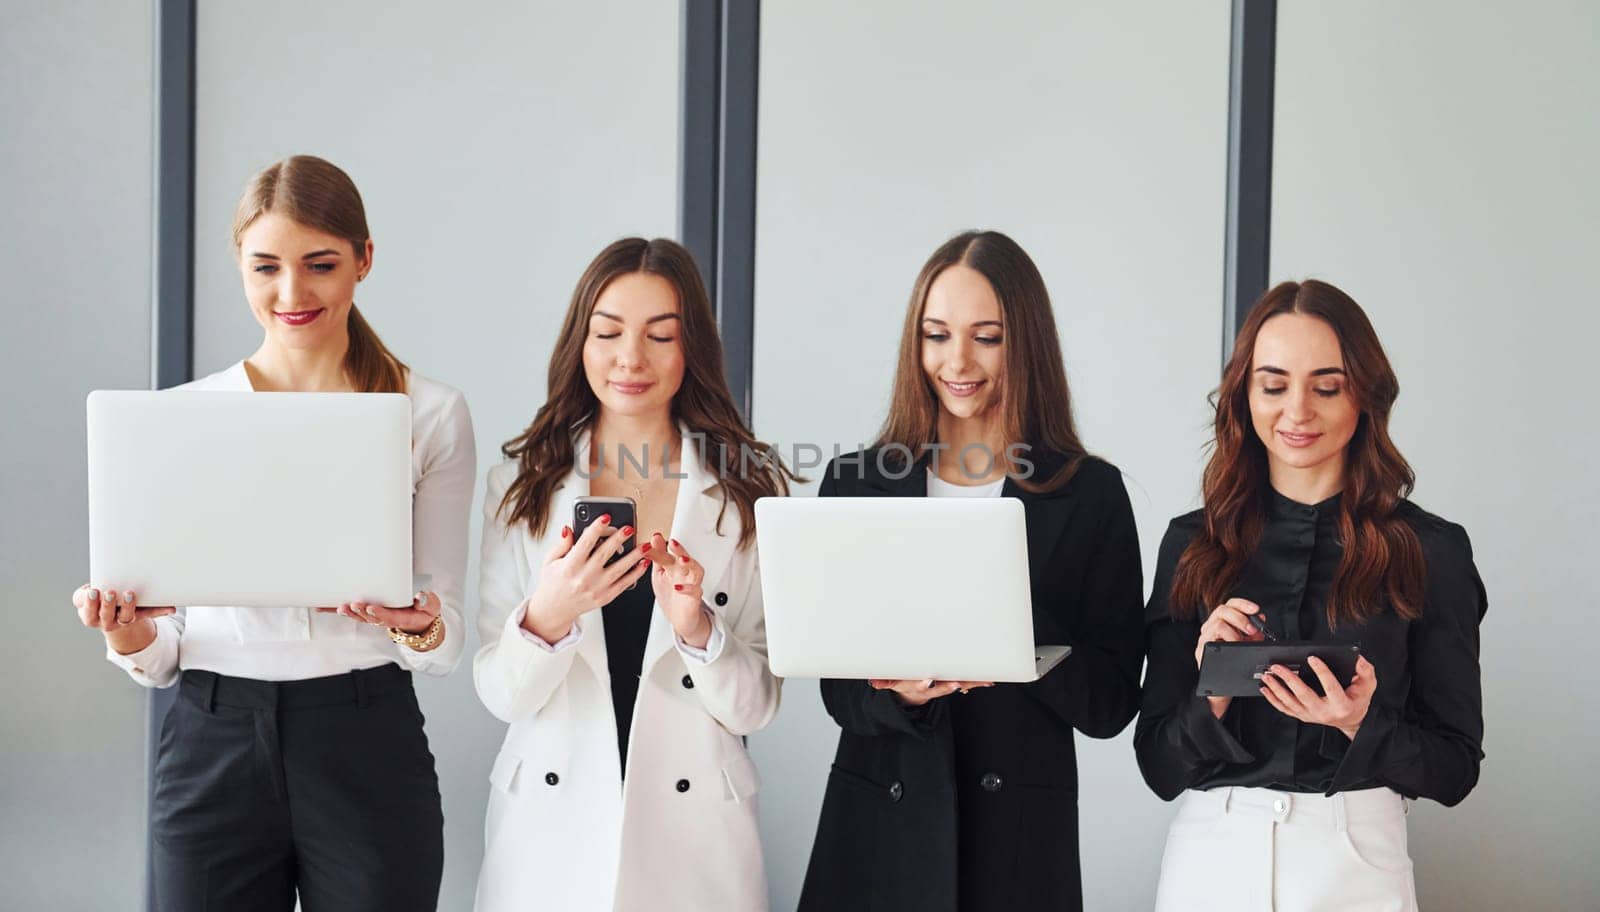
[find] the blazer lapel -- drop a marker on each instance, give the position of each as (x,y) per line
(876,483)
(1046,516)
(694,525)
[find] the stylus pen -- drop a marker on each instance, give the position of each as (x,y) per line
(1260,623)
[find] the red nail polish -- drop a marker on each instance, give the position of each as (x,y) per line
(605,519)
(627,531)
(645,548)
(566,531)
(678,586)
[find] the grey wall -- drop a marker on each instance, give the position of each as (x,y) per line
(1094,134)
(76,90)
(498,147)
(1438,161)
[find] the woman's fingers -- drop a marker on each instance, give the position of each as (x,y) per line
(429,601)
(612,545)
(127,609)
(155,612)
(1273,699)
(591,537)
(1297,685)
(1330,684)
(631,572)
(87,601)
(656,549)
(562,546)
(1285,699)
(108,609)
(1365,683)
(1231,617)
(1244,606)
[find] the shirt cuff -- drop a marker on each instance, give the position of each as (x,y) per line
(1210,737)
(514,623)
(138,664)
(713,647)
(1359,758)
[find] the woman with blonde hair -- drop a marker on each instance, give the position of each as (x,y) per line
(294,760)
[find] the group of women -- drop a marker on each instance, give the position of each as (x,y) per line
(295,764)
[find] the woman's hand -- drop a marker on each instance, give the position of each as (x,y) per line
(918,692)
(575,579)
(116,613)
(1339,707)
(677,583)
(1230,623)
(424,608)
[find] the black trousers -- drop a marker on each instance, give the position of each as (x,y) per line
(323,787)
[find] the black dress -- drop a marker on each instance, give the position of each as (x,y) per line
(971,801)
(1422,735)
(626,620)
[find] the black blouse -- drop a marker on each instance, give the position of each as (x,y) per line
(626,620)
(1423,733)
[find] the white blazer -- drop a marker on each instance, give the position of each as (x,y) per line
(682,831)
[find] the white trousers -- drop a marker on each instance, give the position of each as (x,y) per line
(1257,850)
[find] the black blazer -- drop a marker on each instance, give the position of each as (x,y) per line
(973,798)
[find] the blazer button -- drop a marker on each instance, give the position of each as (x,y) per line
(990,782)
(551,778)
(688,683)
(896,792)
(683,785)
(721,599)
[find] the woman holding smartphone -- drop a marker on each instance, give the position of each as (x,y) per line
(953,794)
(294,761)
(1297,800)
(623,781)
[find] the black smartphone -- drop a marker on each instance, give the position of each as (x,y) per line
(1235,669)
(588,510)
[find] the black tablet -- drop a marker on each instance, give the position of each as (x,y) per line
(1235,669)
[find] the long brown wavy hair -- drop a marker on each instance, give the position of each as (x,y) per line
(1035,404)
(545,451)
(1382,555)
(317,194)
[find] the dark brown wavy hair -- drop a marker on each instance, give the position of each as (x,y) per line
(318,194)
(1035,404)
(544,452)
(1382,555)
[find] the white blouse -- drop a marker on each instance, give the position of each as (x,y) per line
(293,643)
(938,487)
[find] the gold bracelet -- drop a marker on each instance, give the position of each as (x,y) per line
(426,641)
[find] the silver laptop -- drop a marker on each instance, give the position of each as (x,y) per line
(898,587)
(251,499)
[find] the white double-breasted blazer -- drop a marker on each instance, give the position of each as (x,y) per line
(681,832)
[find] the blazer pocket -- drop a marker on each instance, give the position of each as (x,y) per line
(857,781)
(506,772)
(740,778)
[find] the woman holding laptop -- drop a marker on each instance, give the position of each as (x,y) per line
(957,794)
(1306,536)
(294,761)
(623,781)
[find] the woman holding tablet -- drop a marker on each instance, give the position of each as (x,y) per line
(623,781)
(1294,800)
(952,794)
(294,761)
